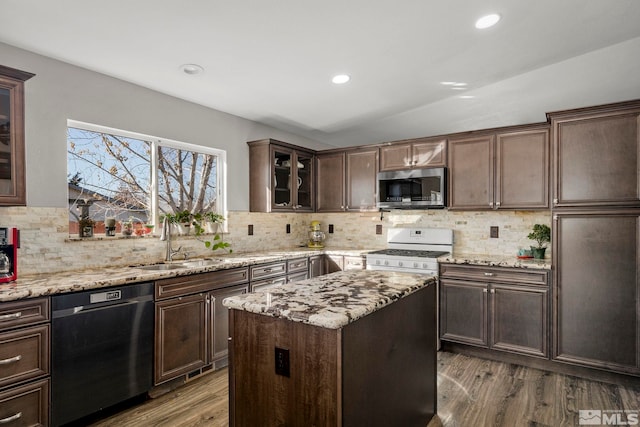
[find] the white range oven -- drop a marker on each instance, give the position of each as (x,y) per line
(414,250)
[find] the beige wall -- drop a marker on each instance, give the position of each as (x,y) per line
(46,246)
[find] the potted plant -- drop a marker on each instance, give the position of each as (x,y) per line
(85,227)
(541,233)
(183,220)
(212,221)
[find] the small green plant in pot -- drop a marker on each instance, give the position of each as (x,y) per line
(541,233)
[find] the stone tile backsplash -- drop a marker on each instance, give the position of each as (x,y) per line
(46,247)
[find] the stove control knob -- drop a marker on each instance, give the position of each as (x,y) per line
(416,265)
(386,263)
(425,265)
(400,264)
(377,262)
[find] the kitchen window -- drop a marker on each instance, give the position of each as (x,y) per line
(135,179)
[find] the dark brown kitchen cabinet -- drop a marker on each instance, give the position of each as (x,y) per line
(265,276)
(596,313)
(497,308)
(281,177)
(317,266)
(25,359)
(505,170)
(347,180)
(596,156)
(190,331)
(219,314)
(414,153)
(12,151)
(331,176)
(181,336)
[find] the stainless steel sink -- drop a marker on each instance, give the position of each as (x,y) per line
(205,262)
(162,267)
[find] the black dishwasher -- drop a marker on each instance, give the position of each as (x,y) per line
(101,349)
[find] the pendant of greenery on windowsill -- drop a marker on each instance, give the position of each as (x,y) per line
(217,242)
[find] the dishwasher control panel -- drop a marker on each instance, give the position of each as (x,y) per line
(105,296)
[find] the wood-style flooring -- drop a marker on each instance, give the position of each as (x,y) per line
(471,392)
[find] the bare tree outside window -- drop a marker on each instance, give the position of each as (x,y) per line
(110,176)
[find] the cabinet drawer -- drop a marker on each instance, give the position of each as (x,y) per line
(263,285)
(24,354)
(186,285)
(297,276)
(24,312)
(264,271)
(494,274)
(295,265)
(26,405)
(354,263)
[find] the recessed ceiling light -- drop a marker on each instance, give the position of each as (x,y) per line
(447,83)
(466,96)
(192,69)
(459,88)
(487,21)
(340,79)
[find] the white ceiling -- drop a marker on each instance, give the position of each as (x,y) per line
(272,61)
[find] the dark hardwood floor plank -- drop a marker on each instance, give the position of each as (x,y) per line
(471,392)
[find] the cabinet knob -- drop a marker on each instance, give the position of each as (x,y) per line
(490,204)
(555,201)
(497,203)
(489,274)
(484,291)
(493,291)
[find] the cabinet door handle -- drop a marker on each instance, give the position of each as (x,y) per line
(489,274)
(267,270)
(11,360)
(484,291)
(497,203)
(490,204)
(493,291)
(11,316)
(11,418)
(555,201)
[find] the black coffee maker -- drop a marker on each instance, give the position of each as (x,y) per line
(9,243)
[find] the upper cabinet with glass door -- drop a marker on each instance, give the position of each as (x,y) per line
(12,161)
(280,178)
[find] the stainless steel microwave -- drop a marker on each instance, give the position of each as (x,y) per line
(412,189)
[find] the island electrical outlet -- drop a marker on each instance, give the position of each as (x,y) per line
(493,231)
(282,361)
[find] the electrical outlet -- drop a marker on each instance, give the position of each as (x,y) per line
(493,231)
(250,230)
(378,228)
(288,228)
(282,362)
(330,228)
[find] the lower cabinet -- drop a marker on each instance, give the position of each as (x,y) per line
(317,266)
(219,323)
(344,262)
(24,362)
(268,276)
(496,308)
(191,325)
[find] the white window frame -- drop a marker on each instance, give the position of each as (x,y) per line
(157,141)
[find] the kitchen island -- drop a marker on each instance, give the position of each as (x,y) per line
(351,348)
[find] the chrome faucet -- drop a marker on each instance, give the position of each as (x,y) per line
(165,235)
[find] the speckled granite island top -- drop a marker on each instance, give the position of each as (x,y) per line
(496,261)
(334,300)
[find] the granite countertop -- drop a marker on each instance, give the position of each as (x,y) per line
(496,261)
(334,300)
(74,281)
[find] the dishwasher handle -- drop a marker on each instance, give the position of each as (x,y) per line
(89,308)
